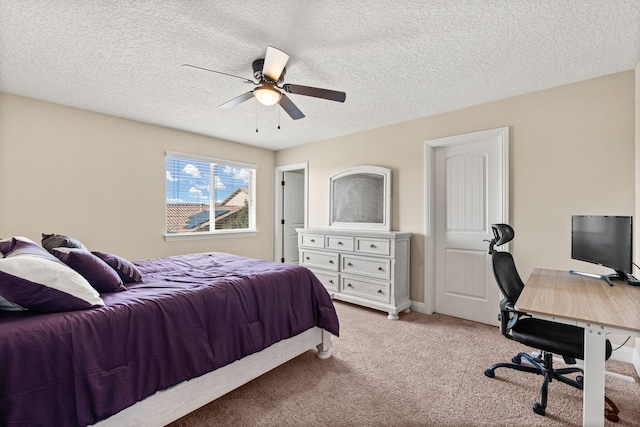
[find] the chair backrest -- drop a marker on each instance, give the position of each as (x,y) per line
(504,270)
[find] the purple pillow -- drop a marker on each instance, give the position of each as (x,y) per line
(7,244)
(24,246)
(42,284)
(50,241)
(128,272)
(97,272)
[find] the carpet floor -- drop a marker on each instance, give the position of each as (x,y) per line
(422,370)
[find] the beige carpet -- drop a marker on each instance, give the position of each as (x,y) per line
(419,371)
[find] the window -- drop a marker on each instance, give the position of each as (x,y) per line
(209,196)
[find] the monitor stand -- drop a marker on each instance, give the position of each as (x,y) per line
(595,276)
(626,277)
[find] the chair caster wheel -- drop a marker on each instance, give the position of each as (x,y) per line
(490,373)
(611,416)
(539,409)
(516,360)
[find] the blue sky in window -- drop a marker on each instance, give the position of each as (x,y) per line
(189,181)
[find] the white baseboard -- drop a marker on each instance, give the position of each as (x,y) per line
(623,354)
(420,307)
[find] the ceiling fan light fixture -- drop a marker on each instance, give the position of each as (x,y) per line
(267,95)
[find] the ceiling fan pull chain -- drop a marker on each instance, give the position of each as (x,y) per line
(278,118)
(256,121)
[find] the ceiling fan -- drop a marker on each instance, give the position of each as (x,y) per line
(269,75)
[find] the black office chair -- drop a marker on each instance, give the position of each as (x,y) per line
(548,337)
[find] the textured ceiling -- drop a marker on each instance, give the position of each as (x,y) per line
(396,60)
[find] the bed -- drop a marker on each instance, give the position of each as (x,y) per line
(194,328)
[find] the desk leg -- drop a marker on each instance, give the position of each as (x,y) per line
(593,395)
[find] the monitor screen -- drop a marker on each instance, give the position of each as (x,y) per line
(603,240)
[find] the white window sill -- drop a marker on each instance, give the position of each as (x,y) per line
(217,235)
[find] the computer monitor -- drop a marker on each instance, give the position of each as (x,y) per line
(603,240)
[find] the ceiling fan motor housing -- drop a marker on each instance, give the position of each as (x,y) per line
(257,66)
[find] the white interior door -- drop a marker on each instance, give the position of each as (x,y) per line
(291,183)
(470,180)
(293,210)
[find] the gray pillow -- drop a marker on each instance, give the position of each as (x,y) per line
(6,305)
(50,241)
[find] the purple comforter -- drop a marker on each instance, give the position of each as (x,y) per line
(191,315)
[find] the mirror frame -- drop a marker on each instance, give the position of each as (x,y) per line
(385,224)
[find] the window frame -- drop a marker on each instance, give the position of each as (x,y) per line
(251,231)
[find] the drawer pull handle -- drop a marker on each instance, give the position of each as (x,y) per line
(339,242)
(330,261)
(380,291)
(372,246)
(380,269)
(307,258)
(330,281)
(349,264)
(313,240)
(349,285)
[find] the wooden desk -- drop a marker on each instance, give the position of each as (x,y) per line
(593,305)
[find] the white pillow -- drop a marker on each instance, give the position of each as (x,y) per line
(45,285)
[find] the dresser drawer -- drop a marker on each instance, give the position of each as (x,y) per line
(326,260)
(340,243)
(366,245)
(312,240)
(379,268)
(331,281)
(373,290)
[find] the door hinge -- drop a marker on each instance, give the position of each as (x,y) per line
(282,260)
(282,221)
(282,182)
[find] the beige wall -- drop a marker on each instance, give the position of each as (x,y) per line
(101,179)
(571,152)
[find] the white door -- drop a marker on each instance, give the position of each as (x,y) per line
(470,181)
(293,214)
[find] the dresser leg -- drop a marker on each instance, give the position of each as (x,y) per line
(393,316)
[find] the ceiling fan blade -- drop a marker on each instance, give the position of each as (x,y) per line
(274,62)
(291,109)
(332,95)
(206,70)
(237,100)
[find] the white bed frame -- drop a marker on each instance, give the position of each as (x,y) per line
(168,405)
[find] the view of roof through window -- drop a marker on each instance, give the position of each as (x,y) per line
(195,188)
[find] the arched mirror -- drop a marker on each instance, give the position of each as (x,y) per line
(361,198)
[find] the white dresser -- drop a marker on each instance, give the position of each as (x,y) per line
(368,268)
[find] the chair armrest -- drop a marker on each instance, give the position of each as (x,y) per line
(509,316)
